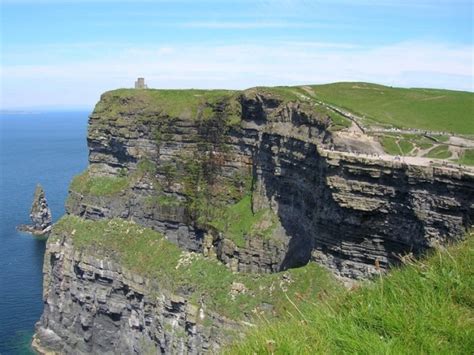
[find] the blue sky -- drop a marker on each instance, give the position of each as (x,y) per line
(64,53)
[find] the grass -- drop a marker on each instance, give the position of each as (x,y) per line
(88,184)
(409,144)
(405,147)
(238,222)
(396,146)
(338,121)
(425,307)
(284,93)
(426,109)
(442,138)
(149,254)
(98,185)
(439,152)
(390,145)
(152,103)
(467,158)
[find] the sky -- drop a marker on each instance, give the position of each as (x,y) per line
(65,53)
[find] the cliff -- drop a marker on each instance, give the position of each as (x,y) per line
(114,287)
(176,174)
(261,180)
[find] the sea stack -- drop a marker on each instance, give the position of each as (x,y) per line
(40,214)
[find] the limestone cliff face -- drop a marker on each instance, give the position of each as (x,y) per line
(176,170)
(344,210)
(96,306)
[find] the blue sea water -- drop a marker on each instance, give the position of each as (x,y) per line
(47,148)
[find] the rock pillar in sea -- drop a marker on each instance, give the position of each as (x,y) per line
(40,214)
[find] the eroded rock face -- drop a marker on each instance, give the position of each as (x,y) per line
(344,210)
(40,214)
(349,212)
(95,306)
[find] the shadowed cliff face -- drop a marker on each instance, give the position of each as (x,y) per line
(346,211)
(350,214)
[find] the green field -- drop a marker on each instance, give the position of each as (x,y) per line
(425,307)
(430,109)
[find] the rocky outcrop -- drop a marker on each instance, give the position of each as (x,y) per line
(96,306)
(40,214)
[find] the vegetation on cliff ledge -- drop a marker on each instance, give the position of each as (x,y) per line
(149,254)
(238,222)
(424,307)
(98,185)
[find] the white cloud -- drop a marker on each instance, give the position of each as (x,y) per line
(238,66)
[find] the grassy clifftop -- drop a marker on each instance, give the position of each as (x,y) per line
(430,109)
(425,109)
(172,103)
(425,307)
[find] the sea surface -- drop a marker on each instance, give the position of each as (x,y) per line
(47,148)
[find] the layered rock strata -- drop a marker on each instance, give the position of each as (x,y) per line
(344,210)
(96,306)
(178,171)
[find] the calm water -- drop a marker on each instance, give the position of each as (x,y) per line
(49,148)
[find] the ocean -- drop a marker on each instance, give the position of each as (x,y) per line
(47,148)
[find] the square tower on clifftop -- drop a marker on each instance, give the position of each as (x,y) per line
(140,84)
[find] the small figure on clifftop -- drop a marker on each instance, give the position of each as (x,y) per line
(40,215)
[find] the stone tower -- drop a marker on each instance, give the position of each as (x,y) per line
(140,84)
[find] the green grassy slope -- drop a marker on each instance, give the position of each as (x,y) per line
(430,109)
(425,307)
(149,254)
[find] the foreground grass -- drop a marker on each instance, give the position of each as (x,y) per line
(426,307)
(426,109)
(149,254)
